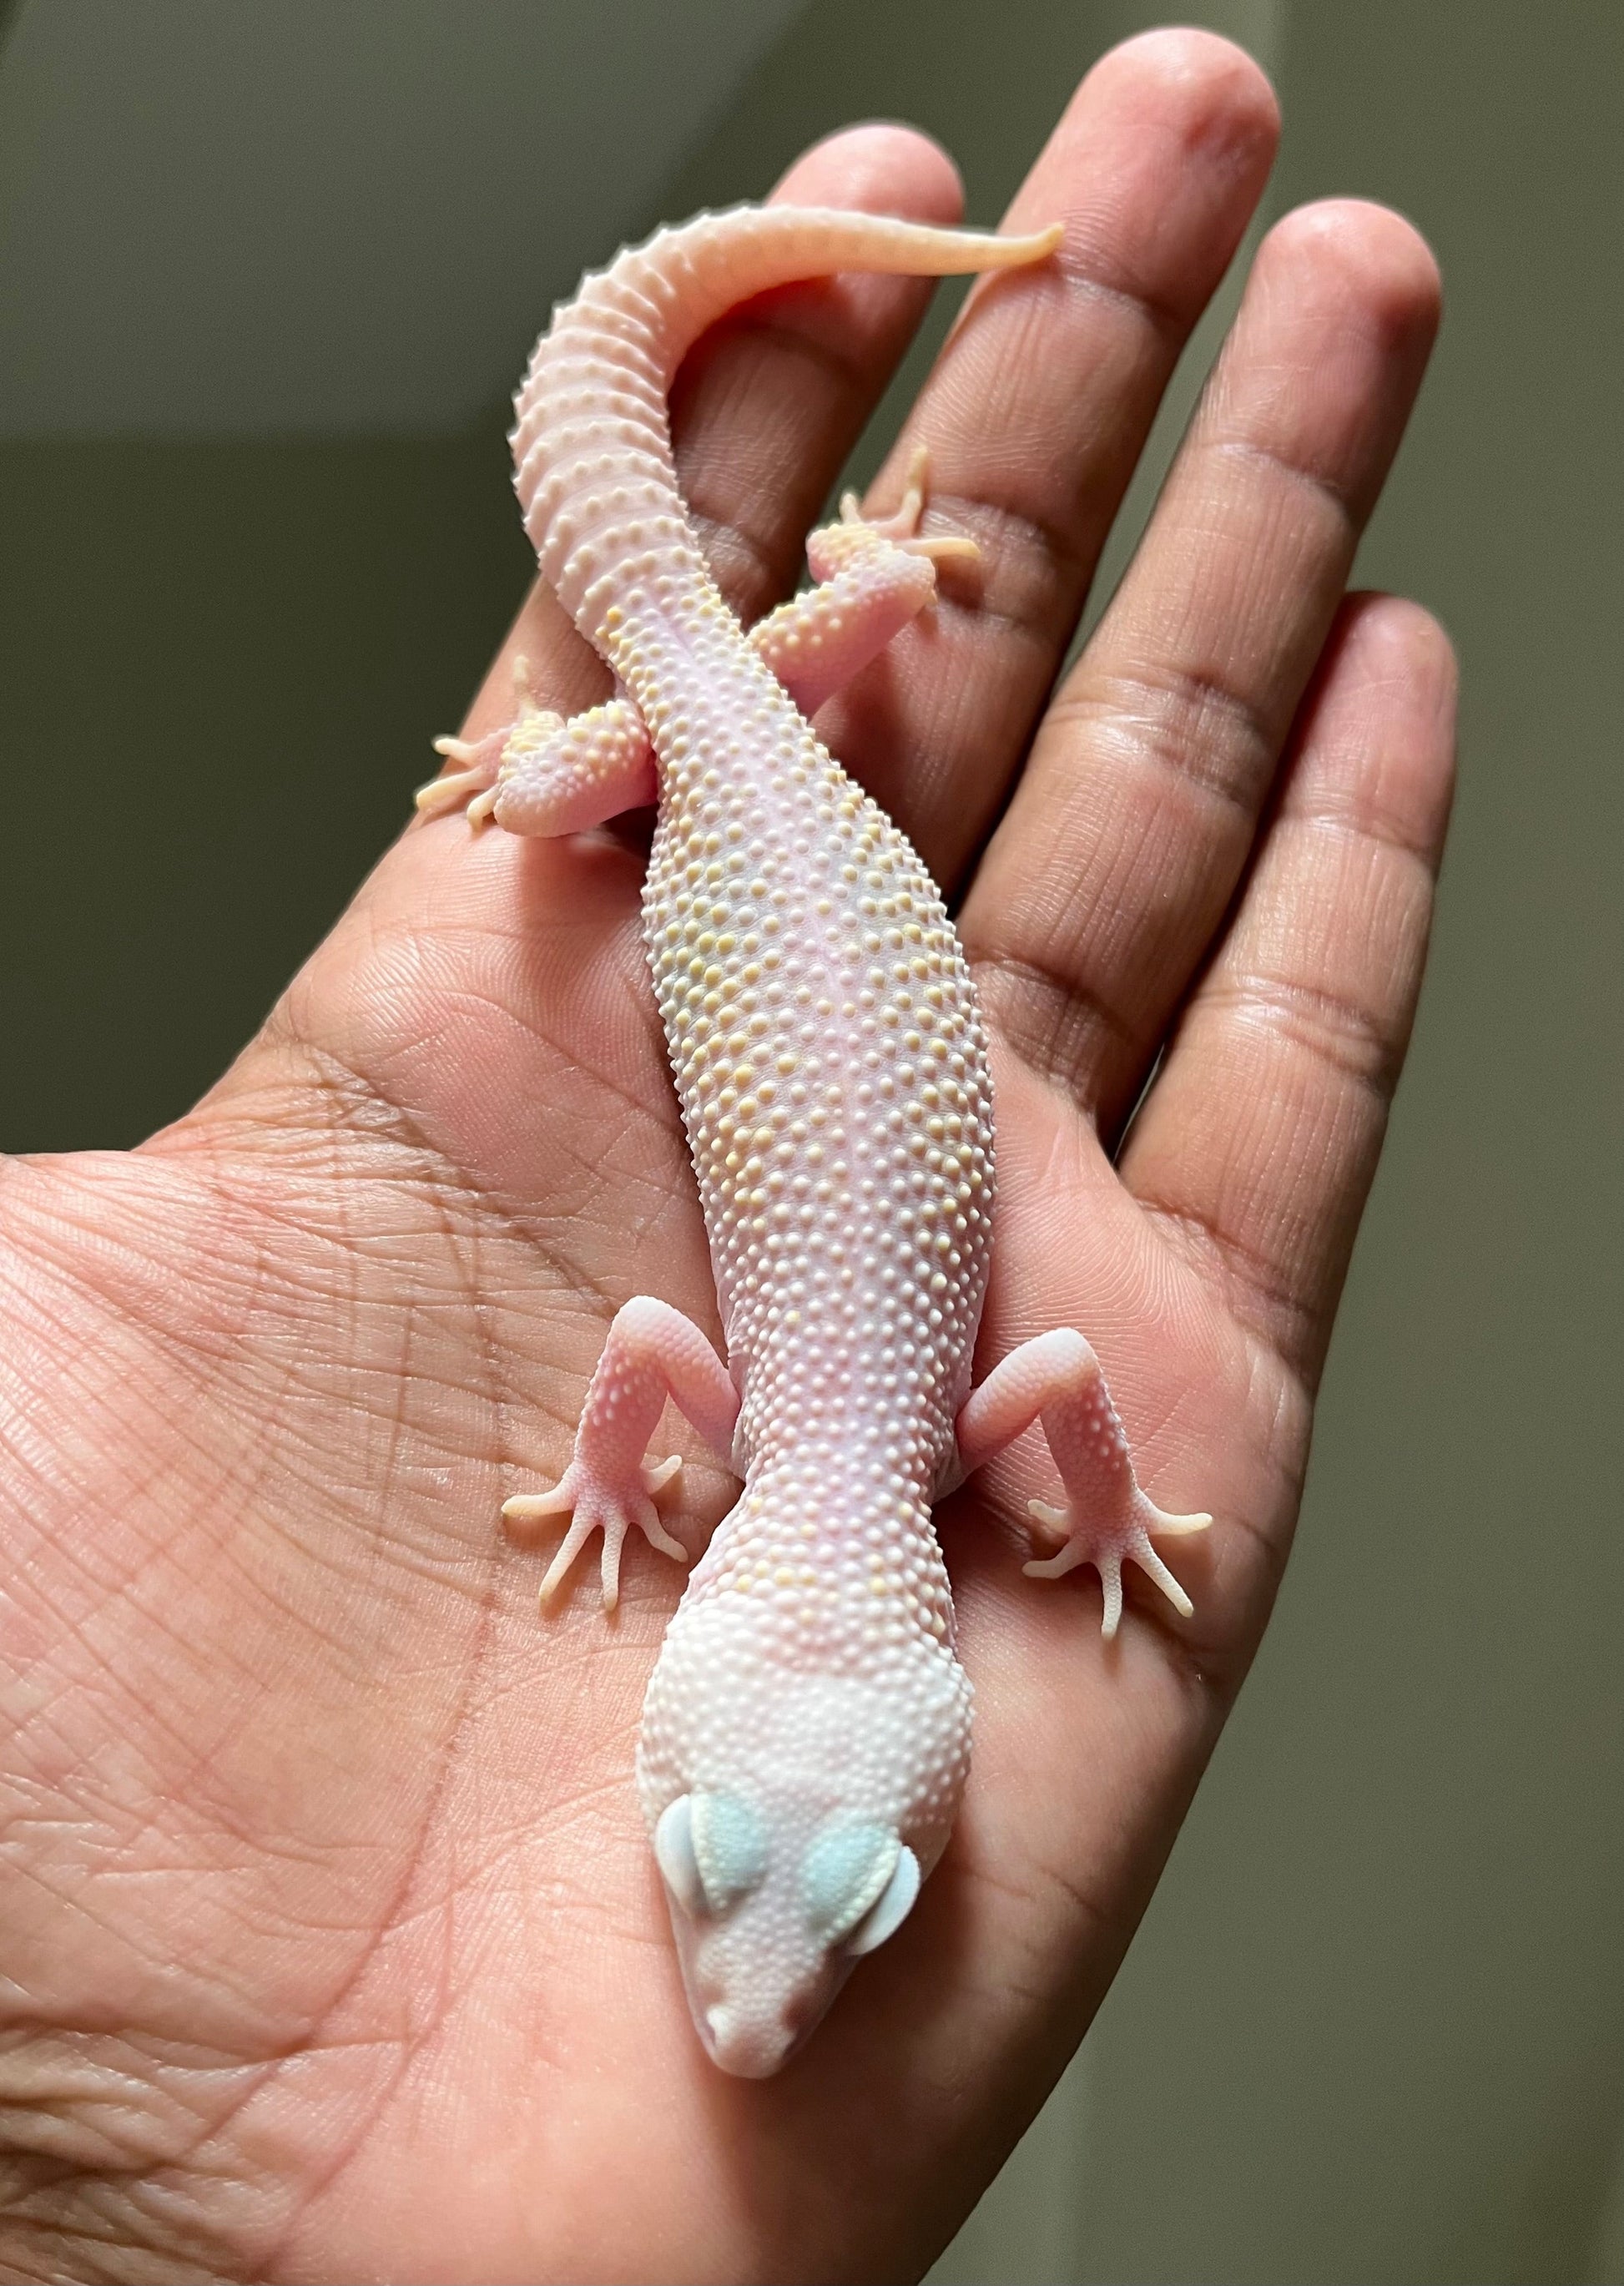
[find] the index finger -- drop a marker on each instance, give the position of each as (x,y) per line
(1035,415)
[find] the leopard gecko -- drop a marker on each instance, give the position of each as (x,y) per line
(806,1735)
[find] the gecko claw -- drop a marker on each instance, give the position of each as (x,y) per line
(480,763)
(445,791)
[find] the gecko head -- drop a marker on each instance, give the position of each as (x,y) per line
(799,1773)
(772,1902)
(796,1803)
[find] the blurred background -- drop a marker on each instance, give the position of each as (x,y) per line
(268,273)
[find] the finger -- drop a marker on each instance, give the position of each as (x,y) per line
(1256,1145)
(1121,852)
(1035,413)
(767,405)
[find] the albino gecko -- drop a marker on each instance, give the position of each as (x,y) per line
(806,1735)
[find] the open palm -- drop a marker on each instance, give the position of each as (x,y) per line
(333,1947)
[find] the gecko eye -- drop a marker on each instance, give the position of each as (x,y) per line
(857,1883)
(895,1902)
(712,1848)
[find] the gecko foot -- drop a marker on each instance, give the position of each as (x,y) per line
(484,762)
(598,1502)
(1109,1546)
(902,526)
(481,760)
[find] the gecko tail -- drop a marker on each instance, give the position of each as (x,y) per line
(591,440)
(705,267)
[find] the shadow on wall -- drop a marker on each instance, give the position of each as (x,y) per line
(230,654)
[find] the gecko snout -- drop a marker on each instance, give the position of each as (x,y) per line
(770,1912)
(751,2046)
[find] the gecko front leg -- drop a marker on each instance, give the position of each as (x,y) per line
(653,1353)
(1107,1520)
(544,776)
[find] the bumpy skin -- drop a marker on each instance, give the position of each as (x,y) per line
(832,1076)
(807,1732)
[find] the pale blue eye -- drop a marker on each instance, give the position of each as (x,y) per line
(712,1847)
(674,1851)
(729,1847)
(845,1872)
(895,1903)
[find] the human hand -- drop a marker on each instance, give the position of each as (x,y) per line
(334,1946)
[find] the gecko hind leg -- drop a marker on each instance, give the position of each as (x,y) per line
(480,758)
(874,578)
(1107,1520)
(541,774)
(558,777)
(902,526)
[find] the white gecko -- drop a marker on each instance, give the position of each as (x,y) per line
(806,1735)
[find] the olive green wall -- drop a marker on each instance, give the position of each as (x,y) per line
(1373,2027)
(220,667)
